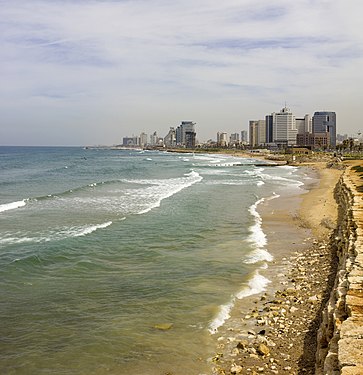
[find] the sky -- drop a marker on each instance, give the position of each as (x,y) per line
(89,72)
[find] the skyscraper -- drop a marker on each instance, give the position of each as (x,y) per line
(185,134)
(244,138)
(325,122)
(257,132)
(284,127)
(304,125)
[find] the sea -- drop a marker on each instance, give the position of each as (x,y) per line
(127,261)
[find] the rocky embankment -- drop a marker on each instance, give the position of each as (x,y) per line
(340,338)
(279,335)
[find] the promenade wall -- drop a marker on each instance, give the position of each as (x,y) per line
(340,337)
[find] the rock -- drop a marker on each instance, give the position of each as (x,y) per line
(313,299)
(163,326)
(243,344)
(263,350)
(236,369)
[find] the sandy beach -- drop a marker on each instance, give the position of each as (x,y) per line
(275,333)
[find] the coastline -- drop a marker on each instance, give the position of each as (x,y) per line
(275,332)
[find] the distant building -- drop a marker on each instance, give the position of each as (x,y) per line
(257,132)
(284,127)
(190,137)
(222,140)
(143,139)
(154,139)
(342,137)
(304,125)
(314,140)
(185,134)
(325,122)
(130,141)
(244,137)
(234,140)
(170,138)
(269,128)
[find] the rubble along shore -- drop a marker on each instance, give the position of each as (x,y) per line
(279,334)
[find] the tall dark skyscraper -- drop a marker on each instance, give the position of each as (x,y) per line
(326,122)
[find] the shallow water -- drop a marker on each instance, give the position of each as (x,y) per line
(99,246)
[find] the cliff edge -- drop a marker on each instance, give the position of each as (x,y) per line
(340,337)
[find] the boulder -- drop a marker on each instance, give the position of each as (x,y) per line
(236,369)
(263,350)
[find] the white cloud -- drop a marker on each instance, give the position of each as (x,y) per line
(97,70)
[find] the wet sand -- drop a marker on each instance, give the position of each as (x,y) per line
(275,332)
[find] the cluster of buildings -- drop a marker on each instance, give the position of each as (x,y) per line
(284,129)
(278,130)
(183,135)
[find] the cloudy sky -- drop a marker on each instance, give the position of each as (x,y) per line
(85,72)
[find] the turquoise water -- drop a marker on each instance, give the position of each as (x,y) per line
(97,247)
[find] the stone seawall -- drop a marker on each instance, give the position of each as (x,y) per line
(340,337)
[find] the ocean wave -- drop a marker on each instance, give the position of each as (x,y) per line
(55,234)
(258,255)
(257,236)
(222,316)
(255,285)
(12,206)
(144,200)
(231,182)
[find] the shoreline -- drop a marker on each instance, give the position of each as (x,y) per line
(275,332)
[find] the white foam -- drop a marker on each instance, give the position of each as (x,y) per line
(258,255)
(163,189)
(223,315)
(90,229)
(255,285)
(12,205)
(56,235)
(257,236)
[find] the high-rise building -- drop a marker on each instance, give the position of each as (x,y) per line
(244,137)
(269,128)
(184,139)
(234,140)
(222,139)
(284,127)
(257,132)
(154,139)
(325,122)
(143,139)
(170,138)
(304,125)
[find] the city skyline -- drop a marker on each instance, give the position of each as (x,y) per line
(89,72)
